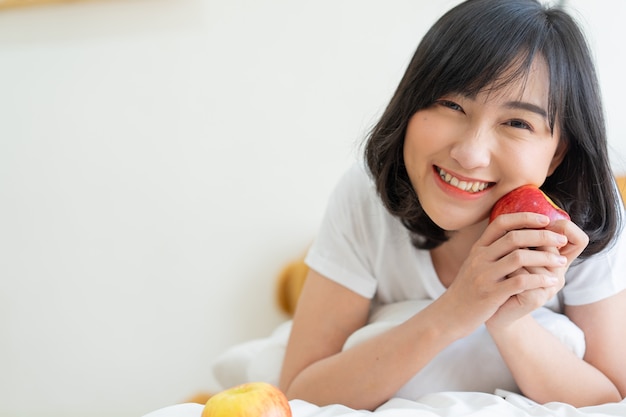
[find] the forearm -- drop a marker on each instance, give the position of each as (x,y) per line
(546,370)
(369,373)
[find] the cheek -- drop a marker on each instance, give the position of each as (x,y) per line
(426,132)
(532,166)
(412,145)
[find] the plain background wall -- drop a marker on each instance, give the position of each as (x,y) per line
(161,160)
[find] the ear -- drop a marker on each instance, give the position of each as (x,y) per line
(559,154)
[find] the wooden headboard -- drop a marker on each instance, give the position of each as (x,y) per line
(621,184)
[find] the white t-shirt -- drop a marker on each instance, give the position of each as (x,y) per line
(361,246)
(364,248)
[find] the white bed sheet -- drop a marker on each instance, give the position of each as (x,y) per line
(444,404)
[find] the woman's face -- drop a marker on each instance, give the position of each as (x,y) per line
(463,153)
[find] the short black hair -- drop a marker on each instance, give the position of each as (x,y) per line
(489,44)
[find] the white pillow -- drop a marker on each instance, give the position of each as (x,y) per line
(470,364)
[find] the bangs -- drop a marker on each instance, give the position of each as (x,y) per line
(456,58)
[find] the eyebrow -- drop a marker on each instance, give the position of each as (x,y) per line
(523,105)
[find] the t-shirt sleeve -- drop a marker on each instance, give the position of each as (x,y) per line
(340,249)
(597,277)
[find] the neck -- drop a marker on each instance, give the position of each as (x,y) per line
(449,256)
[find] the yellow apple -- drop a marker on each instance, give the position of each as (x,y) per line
(528,198)
(252,399)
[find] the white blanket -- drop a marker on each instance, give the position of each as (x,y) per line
(445,388)
(443,404)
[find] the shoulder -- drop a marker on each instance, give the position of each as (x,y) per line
(355,196)
(355,183)
(356,228)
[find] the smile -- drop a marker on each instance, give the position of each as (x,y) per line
(468,186)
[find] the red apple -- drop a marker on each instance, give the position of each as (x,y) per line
(528,198)
(258,399)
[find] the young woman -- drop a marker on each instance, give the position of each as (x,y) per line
(500,93)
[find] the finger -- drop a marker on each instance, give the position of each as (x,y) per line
(513,221)
(537,271)
(529,300)
(527,238)
(530,238)
(546,272)
(575,235)
(577,239)
(520,271)
(525,282)
(527,258)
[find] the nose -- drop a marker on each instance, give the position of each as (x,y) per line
(473,149)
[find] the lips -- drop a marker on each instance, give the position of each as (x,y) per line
(463,185)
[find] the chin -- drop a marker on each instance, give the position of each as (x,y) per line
(459,223)
(451,223)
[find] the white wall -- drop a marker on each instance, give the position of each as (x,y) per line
(604,24)
(161,160)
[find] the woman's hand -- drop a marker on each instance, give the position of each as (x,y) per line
(543,367)
(504,266)
(577,240)
(573,242)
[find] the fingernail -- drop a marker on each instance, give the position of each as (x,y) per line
(562,260)
(542,219)
(552,280)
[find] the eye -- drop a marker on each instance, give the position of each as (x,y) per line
(519,124)
(450,104)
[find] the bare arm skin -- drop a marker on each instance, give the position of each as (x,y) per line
(542,366)
(545,370)
(365,376)
(604,325)
(316,369)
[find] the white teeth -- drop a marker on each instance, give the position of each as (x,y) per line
(471,186)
